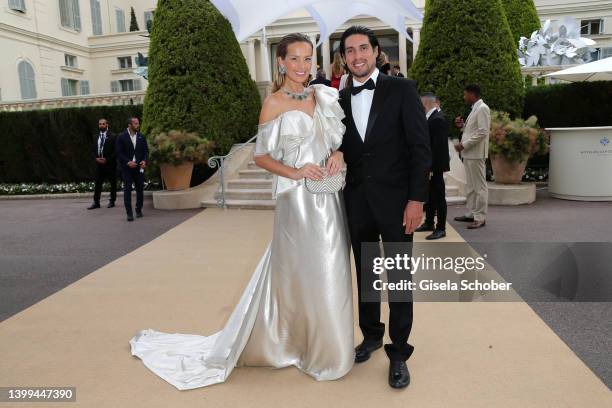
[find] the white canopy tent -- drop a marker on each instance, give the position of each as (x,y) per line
(249,16)
(600,70)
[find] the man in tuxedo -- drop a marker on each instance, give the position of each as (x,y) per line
(438,135)
(320,79)
(132,153)
(106,164)
(386,149)
(396,71)
(474,149)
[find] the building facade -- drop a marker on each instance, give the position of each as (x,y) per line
(80,52)
(63,52)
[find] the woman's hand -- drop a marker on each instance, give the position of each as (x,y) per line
(310,171)
(335,163)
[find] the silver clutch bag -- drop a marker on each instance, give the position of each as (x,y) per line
(328,185)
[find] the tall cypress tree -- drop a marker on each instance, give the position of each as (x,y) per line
(522,17)
(133,21)
(468,41)
(198,78)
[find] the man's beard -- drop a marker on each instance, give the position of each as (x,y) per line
(362,72)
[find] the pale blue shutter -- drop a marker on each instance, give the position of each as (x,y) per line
(96,17)
(120,20)
(65,13)
(27,80)
(17,5)
(65,87)
(76,15)
(84,87)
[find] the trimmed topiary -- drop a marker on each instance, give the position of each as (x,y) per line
(522,17)
(133,21)
(463,42)
(198,78)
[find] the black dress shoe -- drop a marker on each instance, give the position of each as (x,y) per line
(425,227)
(130,217)
(93,206)
(364,350)
(437,234)
(399,376)
(110,205)
(138,214)
(463,218)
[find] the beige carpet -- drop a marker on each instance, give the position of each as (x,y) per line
(187,281)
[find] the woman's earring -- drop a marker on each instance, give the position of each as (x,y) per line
(282,69)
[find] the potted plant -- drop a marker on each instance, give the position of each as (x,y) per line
(176,152)
(512,143)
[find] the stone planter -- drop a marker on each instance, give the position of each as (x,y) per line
(507,171)
(176,177)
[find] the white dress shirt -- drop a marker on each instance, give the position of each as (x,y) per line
(362,103)
(133,137)
(428,114)
(101,138)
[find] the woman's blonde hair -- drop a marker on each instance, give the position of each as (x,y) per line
(337,65)
(383,58)
(281,52)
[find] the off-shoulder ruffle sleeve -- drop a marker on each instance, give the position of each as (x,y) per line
(331,115)
(269,139)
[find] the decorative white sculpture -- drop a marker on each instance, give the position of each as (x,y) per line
(546,48)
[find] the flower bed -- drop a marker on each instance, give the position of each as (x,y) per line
(63,188)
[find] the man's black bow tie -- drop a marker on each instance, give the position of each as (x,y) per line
(370,84)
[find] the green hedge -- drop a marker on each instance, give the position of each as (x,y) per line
(55,145)
(580,104)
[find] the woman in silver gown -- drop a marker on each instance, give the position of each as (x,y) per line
(297,309)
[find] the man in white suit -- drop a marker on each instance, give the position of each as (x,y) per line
(474,149)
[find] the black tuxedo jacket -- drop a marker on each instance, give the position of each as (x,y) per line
(392,164)
(438,133)
(108,151)
(323,81)
(125,149)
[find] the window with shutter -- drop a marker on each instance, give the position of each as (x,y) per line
(84,87)
(70,60)
(65,90)
(17,5)
(70,15)
(125,62)
(120,15)
(96,17)
(27,80)
(77,15)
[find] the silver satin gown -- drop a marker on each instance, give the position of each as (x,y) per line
(297,309)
